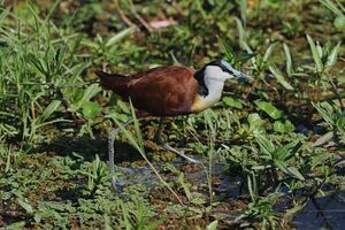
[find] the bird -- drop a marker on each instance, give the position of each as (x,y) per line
(173,90)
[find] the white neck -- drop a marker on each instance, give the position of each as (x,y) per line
(215,89)
(214,81)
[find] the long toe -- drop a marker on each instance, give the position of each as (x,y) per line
(167,147)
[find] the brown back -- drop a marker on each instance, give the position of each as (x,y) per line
(163,91)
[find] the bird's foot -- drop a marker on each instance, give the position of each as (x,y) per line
(181,154)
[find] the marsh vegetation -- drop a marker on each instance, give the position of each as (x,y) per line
(271,149)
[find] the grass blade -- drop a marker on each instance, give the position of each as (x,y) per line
(89,93)
(51,108)
(331,6)
(242,36)
(137,127)
(119,36)
(294,172)
(280,78)
(315,53)
(288,57)
(333,57)
(243,8)
(268,52)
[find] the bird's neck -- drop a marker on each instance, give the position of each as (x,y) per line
(215,89)
(202,102)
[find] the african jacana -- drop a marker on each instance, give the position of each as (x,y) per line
(173,90)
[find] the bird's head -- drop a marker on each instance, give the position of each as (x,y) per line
(221,70)
(215,73)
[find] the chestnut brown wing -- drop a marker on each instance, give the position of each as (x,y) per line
(165,91)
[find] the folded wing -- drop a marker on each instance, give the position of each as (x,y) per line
(163,91)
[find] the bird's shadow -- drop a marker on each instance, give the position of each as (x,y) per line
(87,147)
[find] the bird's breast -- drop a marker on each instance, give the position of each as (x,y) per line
(201,103)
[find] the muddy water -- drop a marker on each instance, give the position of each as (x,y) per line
(319,213)
(323,213)
(196,175)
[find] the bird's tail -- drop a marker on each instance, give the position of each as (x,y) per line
(111,81)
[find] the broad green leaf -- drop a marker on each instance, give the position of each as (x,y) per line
(233,102)
(315,53)
(280,78)
(269,109)
(91,109)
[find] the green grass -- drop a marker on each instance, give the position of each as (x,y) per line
(281,137)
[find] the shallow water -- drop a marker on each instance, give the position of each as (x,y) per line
(323,213)
(145,176)
(319,213)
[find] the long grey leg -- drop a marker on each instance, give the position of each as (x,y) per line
(112,133)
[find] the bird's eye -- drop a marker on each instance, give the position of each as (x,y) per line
(227,71)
